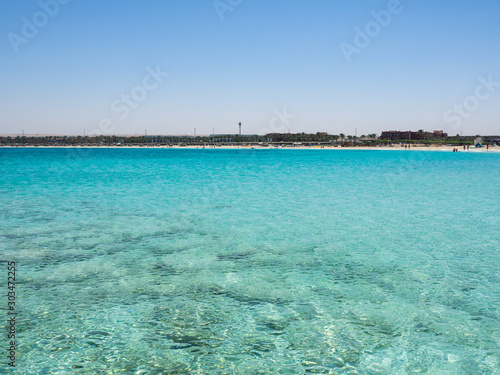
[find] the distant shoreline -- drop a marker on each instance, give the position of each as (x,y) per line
(359,148)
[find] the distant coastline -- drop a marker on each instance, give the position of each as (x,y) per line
(320,140)
(260,147)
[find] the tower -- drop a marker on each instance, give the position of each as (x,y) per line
(240,128)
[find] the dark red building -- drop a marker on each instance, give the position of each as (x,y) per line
(394,135)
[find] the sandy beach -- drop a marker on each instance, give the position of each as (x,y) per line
(393,148)
(258,147)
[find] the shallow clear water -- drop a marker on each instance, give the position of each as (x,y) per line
(253,262)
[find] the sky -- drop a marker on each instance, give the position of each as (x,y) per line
(93,67)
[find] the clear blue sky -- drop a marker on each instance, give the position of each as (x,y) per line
(272,65)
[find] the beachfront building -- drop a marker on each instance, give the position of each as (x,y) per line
(394,135)
(233,138)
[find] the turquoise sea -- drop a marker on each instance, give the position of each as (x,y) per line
(163,261)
